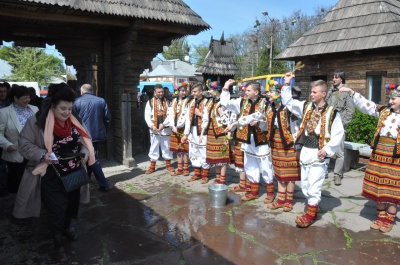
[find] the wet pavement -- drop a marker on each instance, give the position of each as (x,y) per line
(160,219)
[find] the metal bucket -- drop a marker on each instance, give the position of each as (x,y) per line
(218,195)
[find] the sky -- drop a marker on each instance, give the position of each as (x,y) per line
(235,16)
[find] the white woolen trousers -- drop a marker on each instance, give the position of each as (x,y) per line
(157,142)
(312,178)
(197,152)
(254,166)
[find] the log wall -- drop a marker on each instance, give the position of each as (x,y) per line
(356,66)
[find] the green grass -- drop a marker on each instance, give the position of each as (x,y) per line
(231,228)
(132,189)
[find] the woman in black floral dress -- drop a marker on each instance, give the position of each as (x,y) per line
(55,132)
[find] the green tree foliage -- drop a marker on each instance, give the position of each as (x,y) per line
(361,129)
(250,46)
(199,53)
(178,49)
(240,54)
(4,52)
(263,63)
(31,64)
(276,66)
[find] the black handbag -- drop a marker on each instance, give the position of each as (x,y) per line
(73,180)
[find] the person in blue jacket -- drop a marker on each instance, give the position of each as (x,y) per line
(96,116)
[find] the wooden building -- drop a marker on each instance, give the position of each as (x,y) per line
(219,64)
(360,37)
(109,43)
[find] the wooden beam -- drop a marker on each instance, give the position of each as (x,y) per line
(166,27)
(18,13)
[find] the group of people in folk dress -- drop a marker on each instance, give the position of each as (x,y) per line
(276,136)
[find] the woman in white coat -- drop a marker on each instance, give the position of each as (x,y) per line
(12,120)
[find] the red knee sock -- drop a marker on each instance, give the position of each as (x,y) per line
(204,173)
(270,189)
(281,198)
(152,165)
(311,213)
(389,218)
(289,197)
(185,167)
(197,172)
(180,169)
(254,188)
(248,186)
(222,179)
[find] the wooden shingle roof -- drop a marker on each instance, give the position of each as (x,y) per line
(351,25)
(164,10)
(219,59)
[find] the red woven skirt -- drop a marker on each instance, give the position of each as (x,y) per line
(382,175)
(285,163)
(239,160)
(215,155)
(175,143)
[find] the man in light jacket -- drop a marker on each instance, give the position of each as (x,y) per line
(343,103)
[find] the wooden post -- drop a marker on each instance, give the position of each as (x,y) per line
(108,90)
(126,130)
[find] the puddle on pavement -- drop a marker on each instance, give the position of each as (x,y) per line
(122,227)
(195,220)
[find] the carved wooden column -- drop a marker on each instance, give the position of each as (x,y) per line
(121,43)
(106,70)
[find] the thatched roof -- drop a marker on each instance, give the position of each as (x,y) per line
(219,59)
(350,26)
(164,10)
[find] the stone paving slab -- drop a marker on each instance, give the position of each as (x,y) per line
(160,219)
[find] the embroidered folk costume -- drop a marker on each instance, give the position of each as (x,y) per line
(281,136)
(217,150)
(382,176)
(197,151)
(238,155)
(257,157)
(156,114)
(177,120)
(281,133)
(323,130)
